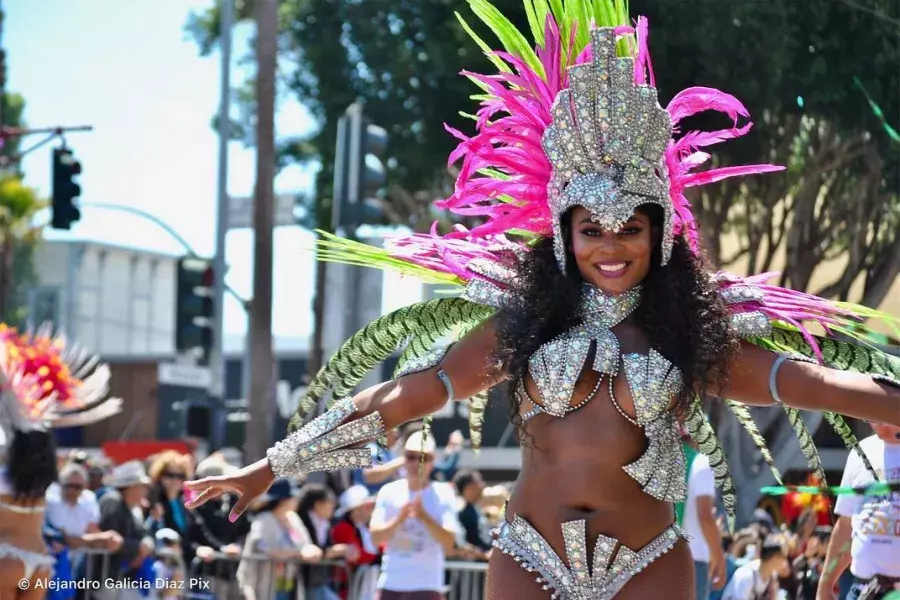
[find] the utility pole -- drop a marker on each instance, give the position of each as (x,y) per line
(217,355)
(262,364)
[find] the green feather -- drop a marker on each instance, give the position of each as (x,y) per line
(512,39)
(498,62)
(377,341)
(845,356)
(477,407)
(332,248)
(807,446)
(746,420)
(850,440)
(703,434)
(426,431)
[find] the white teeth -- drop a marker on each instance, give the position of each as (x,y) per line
(612,267)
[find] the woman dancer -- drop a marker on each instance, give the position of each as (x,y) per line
(45,385)
(586,290)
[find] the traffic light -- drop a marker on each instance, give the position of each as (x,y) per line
(65,190)
(194,307)
(360,172)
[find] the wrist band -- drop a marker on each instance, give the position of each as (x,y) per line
(773,379)
(445,379)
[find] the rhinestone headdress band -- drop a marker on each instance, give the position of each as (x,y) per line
(606,144)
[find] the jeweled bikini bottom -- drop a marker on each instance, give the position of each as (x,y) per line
(610,570)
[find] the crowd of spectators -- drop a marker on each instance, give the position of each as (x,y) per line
(302,539)
(408,516)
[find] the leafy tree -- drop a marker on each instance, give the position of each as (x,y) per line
(794,64)
(18,206)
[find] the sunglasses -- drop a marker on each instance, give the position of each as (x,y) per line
(171,475)
(415,456)
(72,486)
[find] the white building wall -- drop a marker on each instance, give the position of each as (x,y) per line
(124,299)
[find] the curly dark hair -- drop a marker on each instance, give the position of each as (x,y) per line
(681,313)
(31,464)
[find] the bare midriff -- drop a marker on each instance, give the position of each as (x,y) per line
(571,470)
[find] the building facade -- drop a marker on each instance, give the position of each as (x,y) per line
(116,301)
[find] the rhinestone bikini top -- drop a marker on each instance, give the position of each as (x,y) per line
(653,380)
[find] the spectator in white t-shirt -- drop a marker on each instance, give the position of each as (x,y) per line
(73,511)
(868,526)
(415,519)
(700,523)
(758,579)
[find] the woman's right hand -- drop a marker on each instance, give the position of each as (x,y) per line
(247,483)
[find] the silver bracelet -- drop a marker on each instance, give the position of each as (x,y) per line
(445,379)
(327,443)
(773,379)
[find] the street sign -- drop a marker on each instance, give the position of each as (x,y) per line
(240,211)
(182,375)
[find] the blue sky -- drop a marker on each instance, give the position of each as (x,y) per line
(127,68)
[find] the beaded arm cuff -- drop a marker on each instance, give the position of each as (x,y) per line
(324,444)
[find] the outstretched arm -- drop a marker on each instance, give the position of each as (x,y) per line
(469,366)
(810,387)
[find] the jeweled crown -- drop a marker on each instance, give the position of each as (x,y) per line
(606,144)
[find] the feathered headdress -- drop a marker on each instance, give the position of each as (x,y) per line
(48,383)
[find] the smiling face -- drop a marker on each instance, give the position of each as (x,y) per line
(615,262)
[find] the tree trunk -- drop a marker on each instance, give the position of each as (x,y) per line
(262,364)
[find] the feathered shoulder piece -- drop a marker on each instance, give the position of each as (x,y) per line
(49,383)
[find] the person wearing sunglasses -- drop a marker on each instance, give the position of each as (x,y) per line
(415,520)
(73,510)
(168,472)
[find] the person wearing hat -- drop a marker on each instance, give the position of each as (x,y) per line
(758,579)
(121,510)
(415,519)
(352,528)
(278,533)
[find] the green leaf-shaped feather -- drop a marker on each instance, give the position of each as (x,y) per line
(477,407)
(377,341)
(850,440)
(703,434)
(742,414)
(806,443)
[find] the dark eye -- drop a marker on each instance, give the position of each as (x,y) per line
(591,231)
(630,230)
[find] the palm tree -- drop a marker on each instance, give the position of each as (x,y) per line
(18,206)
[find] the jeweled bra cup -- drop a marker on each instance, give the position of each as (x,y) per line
(609,571)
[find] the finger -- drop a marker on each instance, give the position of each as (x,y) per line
(239,507)
(203,498)
(201,484)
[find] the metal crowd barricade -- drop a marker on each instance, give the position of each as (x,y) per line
(216,579)
(217,576)
(466,580)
